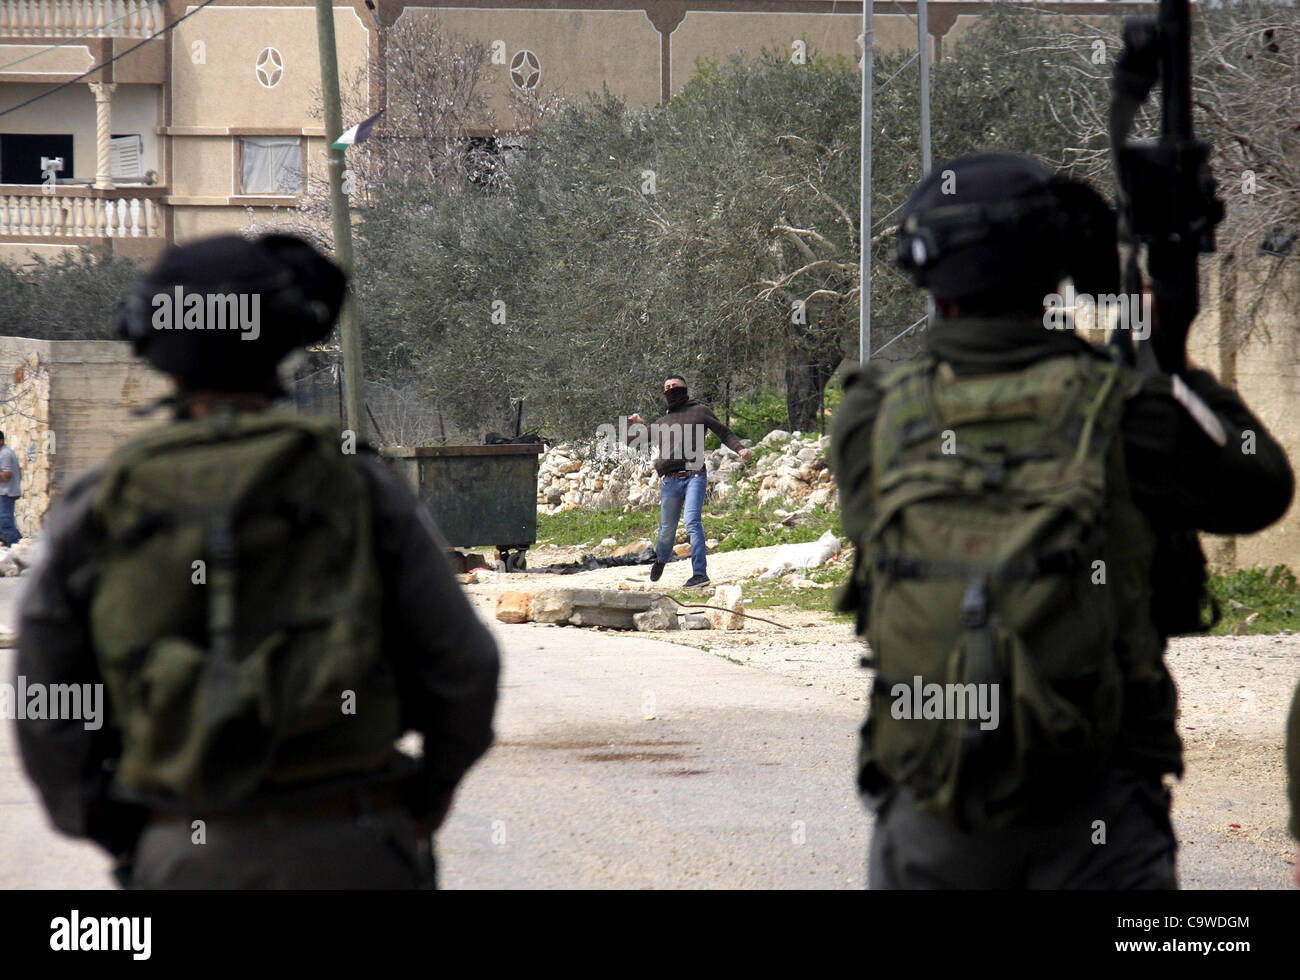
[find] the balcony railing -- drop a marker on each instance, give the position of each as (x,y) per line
(75,18)
(80,212)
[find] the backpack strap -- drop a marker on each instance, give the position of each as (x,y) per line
(912,415)
(222,585)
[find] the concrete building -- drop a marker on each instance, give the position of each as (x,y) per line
(142,135)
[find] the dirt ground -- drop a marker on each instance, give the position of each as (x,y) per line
(1234,694)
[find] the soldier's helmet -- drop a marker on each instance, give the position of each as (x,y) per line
(998,225)
(222,312)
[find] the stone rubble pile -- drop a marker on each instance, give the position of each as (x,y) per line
(19,558)
(791,467)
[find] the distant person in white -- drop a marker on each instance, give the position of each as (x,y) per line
(11,477)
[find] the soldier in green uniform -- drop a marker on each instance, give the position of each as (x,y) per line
(1024,505)
(267,607)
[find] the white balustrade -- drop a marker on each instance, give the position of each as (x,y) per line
(64,216)
(73,18)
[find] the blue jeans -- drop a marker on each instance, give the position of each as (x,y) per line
(9,530)
(673,493)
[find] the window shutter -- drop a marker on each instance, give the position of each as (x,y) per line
(127,154)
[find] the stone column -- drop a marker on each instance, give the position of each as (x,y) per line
(103,133)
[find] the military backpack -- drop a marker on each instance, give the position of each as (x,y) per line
(236,612)
(1002,558)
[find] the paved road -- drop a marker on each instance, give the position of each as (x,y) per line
(627,763)
(32,854)
(742,779)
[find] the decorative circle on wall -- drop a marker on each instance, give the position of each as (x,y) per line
(525,70)
(270,67)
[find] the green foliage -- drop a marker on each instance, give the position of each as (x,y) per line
(628,244)
(758,413)
(1274,594)
(69,297)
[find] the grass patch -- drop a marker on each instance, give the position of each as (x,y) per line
(738,523)
(776,596)
(585,526)
(1273,593)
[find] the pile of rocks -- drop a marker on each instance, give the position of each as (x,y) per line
(798,471)
(572,476)
(19,558)
(791,467)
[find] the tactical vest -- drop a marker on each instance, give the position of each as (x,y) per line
(236,611)
(1007,578)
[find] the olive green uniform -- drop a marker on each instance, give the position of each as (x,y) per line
(1179,479)
(357,830)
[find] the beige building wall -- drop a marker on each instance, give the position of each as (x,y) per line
(70,110)
(136,109)
(579,50)
(720,34)
(66,406)
(1265,370)
(219,97)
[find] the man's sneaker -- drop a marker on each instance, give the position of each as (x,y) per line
(696,581)
(656,570)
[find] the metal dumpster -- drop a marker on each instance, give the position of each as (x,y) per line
(479,495)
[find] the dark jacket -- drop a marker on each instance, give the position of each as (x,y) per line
(1179,477)
(682,428)
(445,660)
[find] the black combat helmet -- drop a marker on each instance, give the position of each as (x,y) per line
(1001,230)
(223,312)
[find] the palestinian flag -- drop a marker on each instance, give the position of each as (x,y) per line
(358,133)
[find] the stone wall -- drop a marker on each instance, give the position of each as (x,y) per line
(787,466)
(66,405)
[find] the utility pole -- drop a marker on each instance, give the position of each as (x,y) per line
(864,196)
(349,333)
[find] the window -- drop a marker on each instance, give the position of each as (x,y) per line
(21,153)
(271,165)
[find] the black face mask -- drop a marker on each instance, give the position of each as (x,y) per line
(675,397)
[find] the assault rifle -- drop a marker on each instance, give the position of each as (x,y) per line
(1166,197)
(1166,202)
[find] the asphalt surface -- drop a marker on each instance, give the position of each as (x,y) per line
(741,779)
(623,762)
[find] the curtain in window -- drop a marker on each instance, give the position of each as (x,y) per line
(272,165)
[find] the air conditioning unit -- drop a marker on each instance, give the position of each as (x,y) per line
(128,157)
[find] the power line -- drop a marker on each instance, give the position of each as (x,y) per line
(95,68)
(904,333)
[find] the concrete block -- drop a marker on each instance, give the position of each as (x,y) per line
(553,606)
(515,607)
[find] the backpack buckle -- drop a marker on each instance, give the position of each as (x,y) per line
(975,603)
